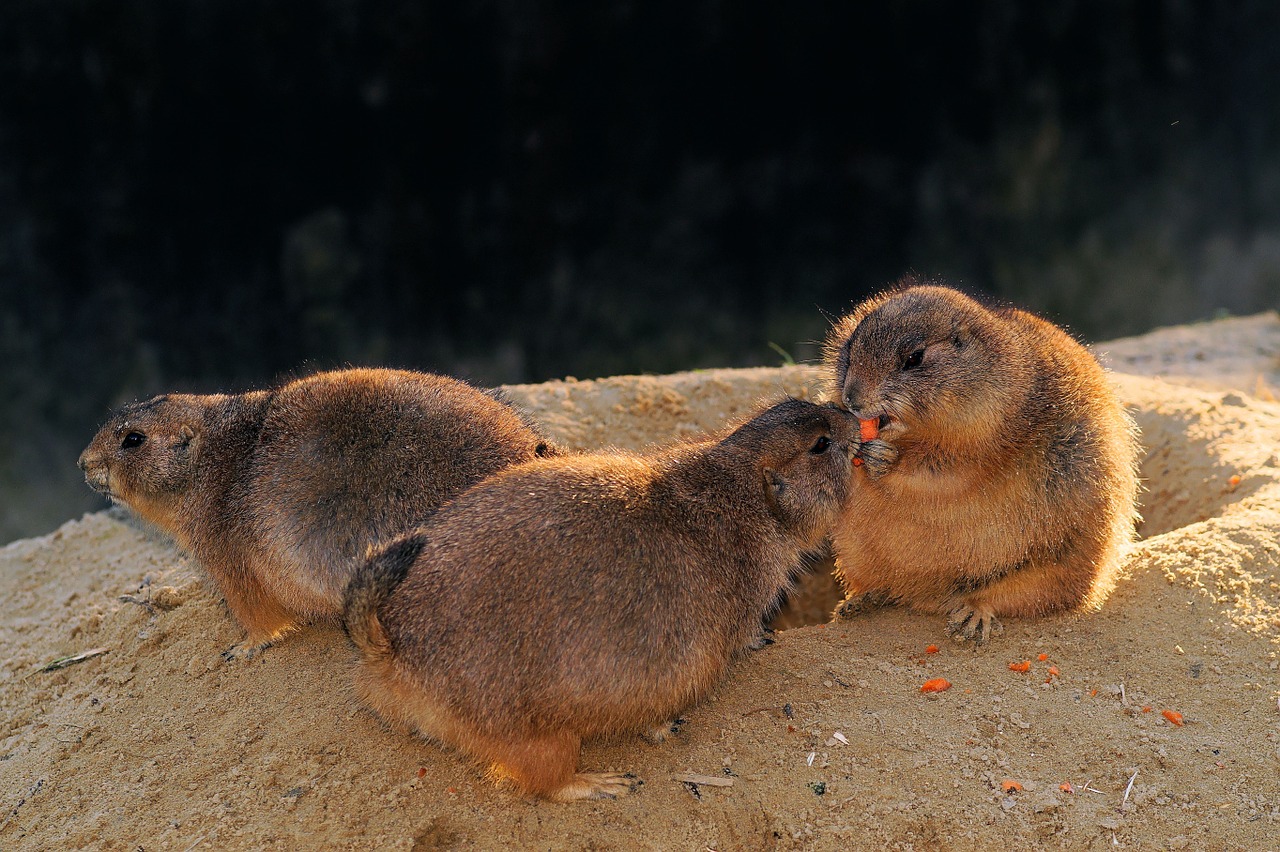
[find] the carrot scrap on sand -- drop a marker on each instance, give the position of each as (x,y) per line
(1024,666)
(1008,785)
(937,684)
(1042,657)
(1234,480)
(1174,717)
(1066,787)
(932,649)
(1054,671)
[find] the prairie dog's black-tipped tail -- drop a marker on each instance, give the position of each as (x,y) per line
(372,583)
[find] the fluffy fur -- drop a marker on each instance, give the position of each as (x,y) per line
(575,597)
(1003,481)
(280,494)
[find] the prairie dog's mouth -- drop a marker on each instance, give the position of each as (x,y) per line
(890,426)
(883,421)
(99,480)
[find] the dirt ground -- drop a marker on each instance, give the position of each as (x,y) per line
(821,741)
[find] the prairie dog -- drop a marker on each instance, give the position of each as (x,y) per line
(581,596)
(1003,480)
(280,493)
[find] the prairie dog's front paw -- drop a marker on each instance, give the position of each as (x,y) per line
(660,733)
(877,457)
(974,623)
(761,639)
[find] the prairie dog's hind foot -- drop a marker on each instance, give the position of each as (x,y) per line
(859,603)
(977,624)
(596,785)
(256,642)
(245,650)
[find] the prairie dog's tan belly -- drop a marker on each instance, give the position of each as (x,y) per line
(922,542)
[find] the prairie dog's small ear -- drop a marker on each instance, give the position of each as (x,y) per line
(189,440)
(774,487)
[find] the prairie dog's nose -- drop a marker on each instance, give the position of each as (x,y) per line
(852,397)
(89,459)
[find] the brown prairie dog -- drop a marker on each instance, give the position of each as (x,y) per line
(590,595)
(1003,481)
(279,494)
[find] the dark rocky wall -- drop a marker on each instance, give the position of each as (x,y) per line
(211,194)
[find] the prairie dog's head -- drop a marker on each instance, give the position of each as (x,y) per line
(802,456)
(146,453)
(925,360)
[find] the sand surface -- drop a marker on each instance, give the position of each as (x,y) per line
(821,741)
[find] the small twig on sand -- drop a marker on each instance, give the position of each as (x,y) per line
(1129,789)
(703,780)
(144,603)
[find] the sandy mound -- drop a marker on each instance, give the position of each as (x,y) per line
(158,744)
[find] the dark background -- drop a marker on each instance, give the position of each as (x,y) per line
(201,195)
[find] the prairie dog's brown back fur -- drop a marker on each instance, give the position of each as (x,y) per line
(1009,482)
(579,596)
(279,494)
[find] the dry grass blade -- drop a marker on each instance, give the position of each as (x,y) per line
(63,662)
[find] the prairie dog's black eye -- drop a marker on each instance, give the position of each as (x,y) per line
(133,439)
(820,446)
(915,359)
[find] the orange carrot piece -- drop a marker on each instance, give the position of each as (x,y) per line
(1024,666)
(932,649)
(1042,657)
(1066,787)
(1008,785)
(1146,708)
(869,429)
(1174,717)
(937,684)
(1053,671)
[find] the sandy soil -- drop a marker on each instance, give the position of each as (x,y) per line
(822,741)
